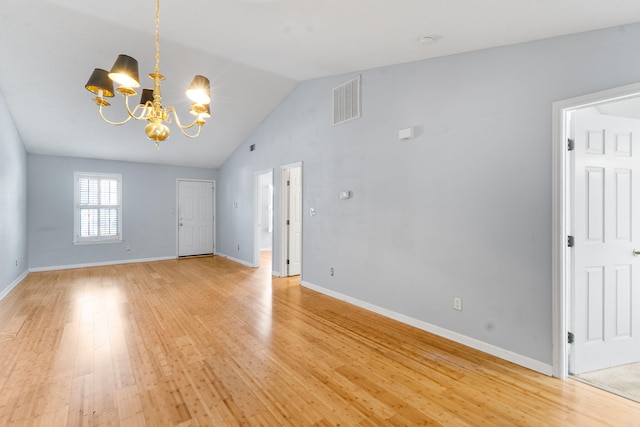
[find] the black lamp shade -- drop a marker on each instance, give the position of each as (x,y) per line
(200,90)
(147,95)
(100,80)
(125,71)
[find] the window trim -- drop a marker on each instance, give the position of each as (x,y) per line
(77,240)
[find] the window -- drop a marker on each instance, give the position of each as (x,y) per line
(98,208)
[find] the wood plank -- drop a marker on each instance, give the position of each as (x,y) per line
(208,342)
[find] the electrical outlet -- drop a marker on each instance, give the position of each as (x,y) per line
(128,248)
(457,303)
(238,246)
(331,272)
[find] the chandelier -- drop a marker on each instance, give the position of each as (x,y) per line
(125,73)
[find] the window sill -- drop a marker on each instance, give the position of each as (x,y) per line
(97,242)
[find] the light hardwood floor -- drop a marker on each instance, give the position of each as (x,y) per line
(209,342)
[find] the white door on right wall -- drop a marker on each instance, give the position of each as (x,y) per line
(295,221)
(606,276)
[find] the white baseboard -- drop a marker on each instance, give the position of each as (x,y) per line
(98,264)
(493,350)
(239,261)
(13,284)
(275,273)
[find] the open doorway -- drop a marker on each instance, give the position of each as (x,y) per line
(291,220)
(263,218)
(596,243)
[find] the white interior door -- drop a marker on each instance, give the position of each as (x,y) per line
(195,217)
(295,221)
(605,293)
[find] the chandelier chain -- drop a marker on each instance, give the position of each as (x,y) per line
(157,36)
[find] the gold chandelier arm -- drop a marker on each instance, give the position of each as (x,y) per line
(198,121)
(109,121)
(132,114)
(191,136)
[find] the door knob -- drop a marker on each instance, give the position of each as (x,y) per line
(180,224)
(636,252)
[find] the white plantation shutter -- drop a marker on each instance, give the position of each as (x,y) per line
(98,208)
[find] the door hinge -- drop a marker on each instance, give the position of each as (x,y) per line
(570,337)
(287,262)
(288,182)
(570,144)
(570,241)
(288,223)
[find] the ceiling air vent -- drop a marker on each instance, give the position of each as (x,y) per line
(346,101)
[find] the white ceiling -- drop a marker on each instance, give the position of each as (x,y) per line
(254,51)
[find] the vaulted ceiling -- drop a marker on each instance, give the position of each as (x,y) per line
(253,51)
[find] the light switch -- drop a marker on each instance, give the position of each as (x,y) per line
(345,195)
(405,134)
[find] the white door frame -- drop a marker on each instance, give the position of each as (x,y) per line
(284,236)
(256,214)
(214,229)
(561,210)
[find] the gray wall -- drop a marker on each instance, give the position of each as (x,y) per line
(13,202)
(463,209)
(148,210)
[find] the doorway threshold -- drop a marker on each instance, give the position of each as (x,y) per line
(621,380)
(195,256)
